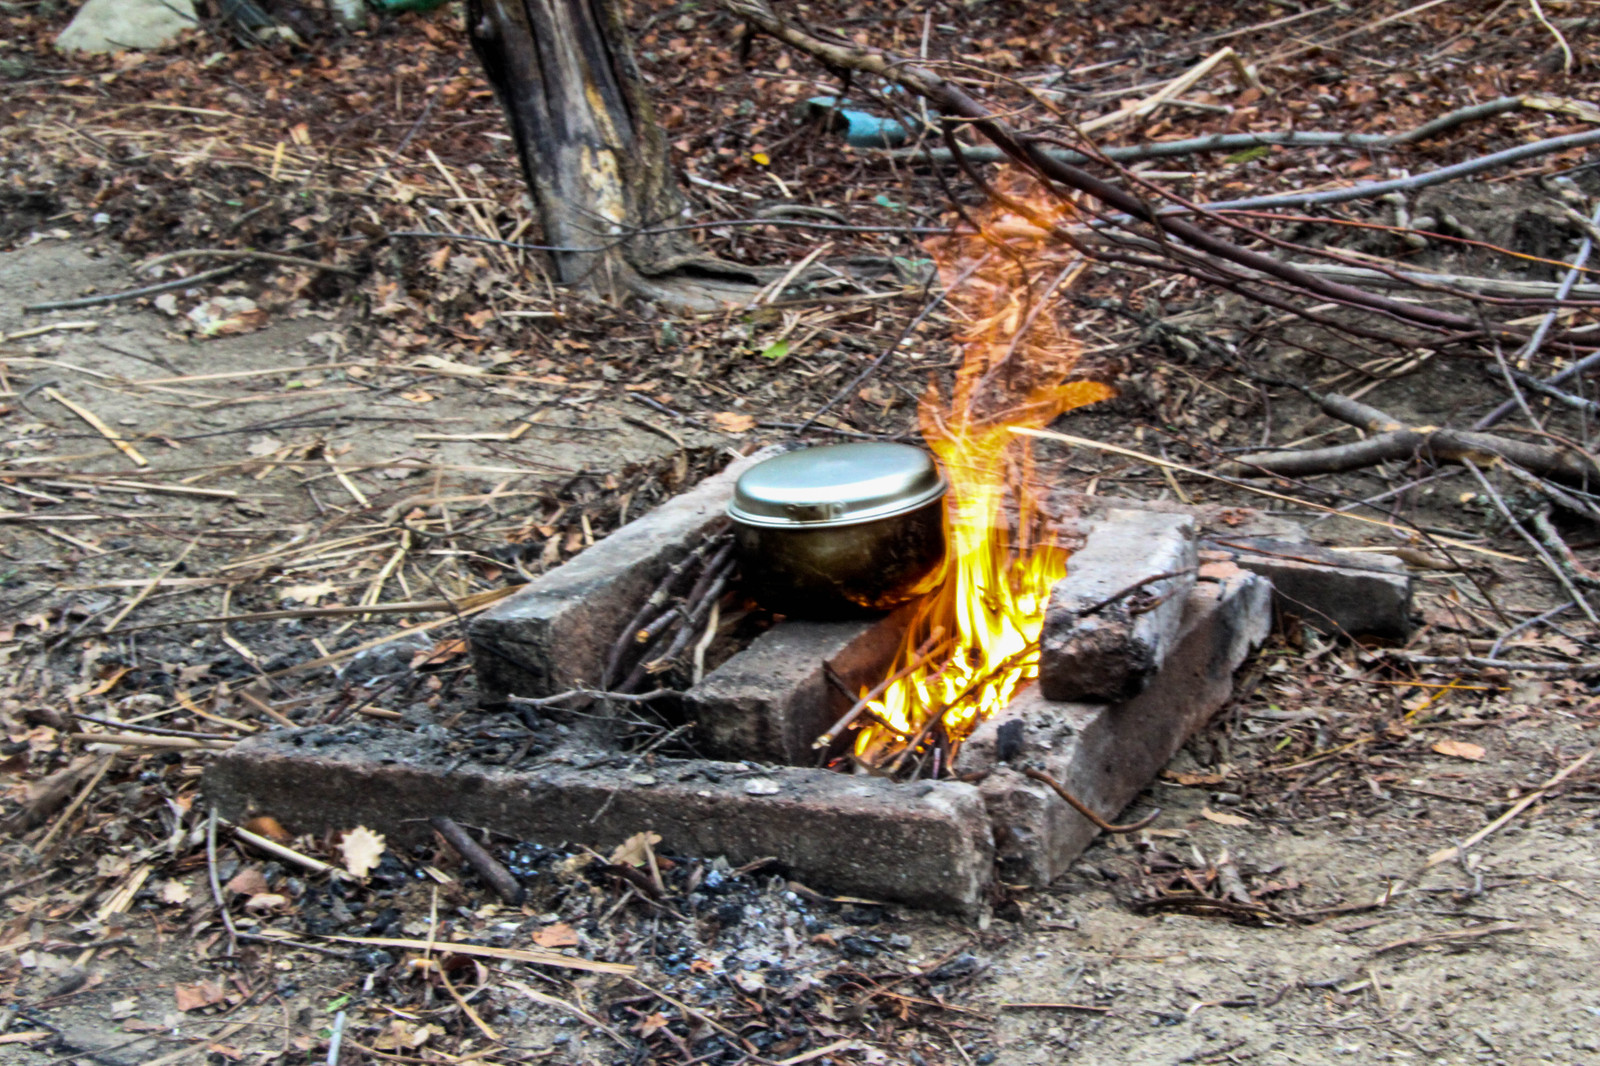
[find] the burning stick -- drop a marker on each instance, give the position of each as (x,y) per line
(1079,806)
(1010,662)
(935,644)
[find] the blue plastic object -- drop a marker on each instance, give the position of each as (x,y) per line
(861,129)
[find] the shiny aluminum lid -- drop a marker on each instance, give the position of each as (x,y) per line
(836,485)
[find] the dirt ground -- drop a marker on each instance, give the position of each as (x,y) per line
(312,438)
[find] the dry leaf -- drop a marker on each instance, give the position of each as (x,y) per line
(650,1024)
(267,826)
(1461,749)
(442,652)
(173,893)
(198,995)
(262,447)
(362,848)
(309,594)
(733,422)
(266,901)
(248,882)
(635,850)
(560,935)
(1222,817)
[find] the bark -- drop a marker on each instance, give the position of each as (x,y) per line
(593,156)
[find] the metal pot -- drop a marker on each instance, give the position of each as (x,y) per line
(842,529)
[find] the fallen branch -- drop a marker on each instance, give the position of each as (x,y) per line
(1395,442)
(1236,142)
(133,294)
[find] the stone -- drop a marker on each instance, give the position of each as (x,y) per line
(554,634)
(1111,652)
(926,843)
(126,25)
(1106,754)
(1332,591)
(770,701)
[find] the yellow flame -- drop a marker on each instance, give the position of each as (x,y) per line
(1003,557)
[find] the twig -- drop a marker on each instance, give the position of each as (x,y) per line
(1131,589)
(1371,190)
(244,253)
(272,847)
(216,883)
(1578,262)
(150,586)
(1451,935)
(1083,809)
(1234,142)
(1129,453)
(592,693)
(699,657)
(136,740)
(134,294)
(486,865)
(336,1039)
(99,427)
(1538,549)
(935,644)
(77,801)
(1566,49)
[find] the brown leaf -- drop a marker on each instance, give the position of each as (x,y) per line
(249,881)
(560,935)
(1461,749)
(361,848)
(199,995)
(1222,817)
(267,826)
(733,422)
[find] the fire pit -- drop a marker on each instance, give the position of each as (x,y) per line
(983,732)
(932,841)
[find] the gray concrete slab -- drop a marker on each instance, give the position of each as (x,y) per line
(1093,650)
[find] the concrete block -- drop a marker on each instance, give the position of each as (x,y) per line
(554,634)
(1336,592)
(924,843)
(1113,652)
(1105,754)
(771,700)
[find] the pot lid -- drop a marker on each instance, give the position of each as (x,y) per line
(836,485)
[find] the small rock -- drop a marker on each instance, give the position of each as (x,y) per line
(127,25)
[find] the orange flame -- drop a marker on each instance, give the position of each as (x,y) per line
(1003,558)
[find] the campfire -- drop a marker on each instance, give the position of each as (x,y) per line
(975,638)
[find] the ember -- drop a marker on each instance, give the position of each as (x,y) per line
(1004,556)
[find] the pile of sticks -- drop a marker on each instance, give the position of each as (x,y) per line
(684,607)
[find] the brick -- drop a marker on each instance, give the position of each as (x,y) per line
(771,700)
(1105,754)
(1113,653)
(1336,592)
(924,843)
(554,634)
